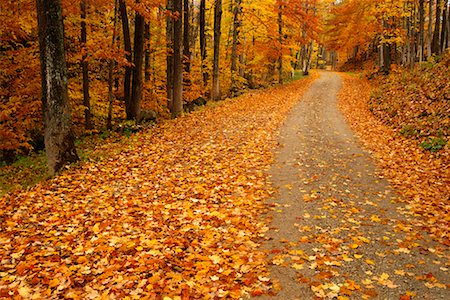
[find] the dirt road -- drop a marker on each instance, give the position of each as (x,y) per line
(337,228)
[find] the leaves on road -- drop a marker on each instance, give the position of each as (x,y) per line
(422,178)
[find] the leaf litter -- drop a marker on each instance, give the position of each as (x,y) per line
(175,214)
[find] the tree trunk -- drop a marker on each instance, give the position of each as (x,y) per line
(436,45)
(237,9)
(128,55)
(430,29)
(147,52)
(85,68)
(111,70)
(136,88)
(169,57)
(217,26)
(421,45)
(444,29)
(186,38)
(280,41)
(447,44)
(59,138)
(177,105)
(203,41)
(307,65)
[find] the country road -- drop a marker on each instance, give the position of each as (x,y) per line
(337,229)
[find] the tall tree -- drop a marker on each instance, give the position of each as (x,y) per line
(59,138)
(128,55)
(111,70)
(436,45)
(169,56)
(421,29)
(202,25)
(444,31)
(138,56)
(430,28)
(186,37)
(177,103)
(237,10)
(217,31)
(85,68)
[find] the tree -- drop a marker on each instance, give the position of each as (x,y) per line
(186,38)
(85,68)
(59,138)
(421,29)
(138,56)
(169,56)
(177,103)
(217,27)
(237,11)
(128,56)
(111,70)
(202,24)
(436,44)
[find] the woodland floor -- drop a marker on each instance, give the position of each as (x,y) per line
(182,211)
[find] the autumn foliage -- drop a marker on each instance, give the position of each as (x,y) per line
(258,47)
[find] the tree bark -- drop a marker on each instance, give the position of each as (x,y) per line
(203,41)
(444,29)
(421,45)
(59,138)
(128,55)
(85,68)
(186,38)
(111,70)
(217,27)
(309,58)
(136,88)
(280,41)
(430,29)
(147,52)
(177,106)
(436,45)
(169,57)
(237,10)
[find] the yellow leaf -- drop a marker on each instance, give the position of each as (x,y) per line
(96,228)
(216,259)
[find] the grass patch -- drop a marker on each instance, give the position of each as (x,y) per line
(434,144)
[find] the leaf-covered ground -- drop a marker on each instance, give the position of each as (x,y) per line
(174,214)
(416,103)
(421,176)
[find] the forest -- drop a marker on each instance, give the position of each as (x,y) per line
(140,142)
(138,60)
